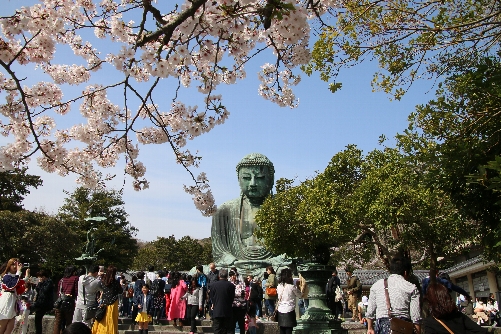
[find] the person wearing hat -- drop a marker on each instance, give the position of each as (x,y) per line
(362,308)
(354,290)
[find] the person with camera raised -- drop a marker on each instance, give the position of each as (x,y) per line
(12,286)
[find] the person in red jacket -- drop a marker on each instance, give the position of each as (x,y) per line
(12,286)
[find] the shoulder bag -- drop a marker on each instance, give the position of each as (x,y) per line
(441,322)
(271,291)
(397,326)
(59,300)
(100,312)
(64,302)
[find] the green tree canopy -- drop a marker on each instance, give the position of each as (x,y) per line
(40,239)
(181,254)
(14,186)
(376,204)
(455,136)
(115,235)
(409,39)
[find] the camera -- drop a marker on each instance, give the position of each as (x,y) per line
(26,265)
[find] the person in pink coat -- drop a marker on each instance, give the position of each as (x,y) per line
(177,308)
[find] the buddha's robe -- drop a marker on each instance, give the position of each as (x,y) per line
(233,226)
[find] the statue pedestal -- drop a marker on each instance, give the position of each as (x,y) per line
(86,260)
(251,265)
(317,318)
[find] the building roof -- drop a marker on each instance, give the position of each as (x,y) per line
(465,264)
(369,277)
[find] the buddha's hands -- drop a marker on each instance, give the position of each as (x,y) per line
(228,259)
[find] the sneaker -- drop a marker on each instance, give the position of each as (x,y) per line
(197,318)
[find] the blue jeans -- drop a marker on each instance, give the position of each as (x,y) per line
(258,308)
(383,325)
(252,330)
(270,305)
(303,305)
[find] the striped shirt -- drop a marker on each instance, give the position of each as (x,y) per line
(404,299)
(68,286)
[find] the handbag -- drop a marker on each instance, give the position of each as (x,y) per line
(67,303)
(90,312)
(59,300)
(271,292)
(100,312)
(339,294)
(397,326)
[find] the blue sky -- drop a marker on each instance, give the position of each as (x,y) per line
(298,141)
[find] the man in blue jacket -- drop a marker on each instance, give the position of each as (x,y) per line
(202,281)
(444,279)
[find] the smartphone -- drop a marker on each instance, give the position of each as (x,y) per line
(26,265)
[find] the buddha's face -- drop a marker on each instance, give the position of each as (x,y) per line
(255,181)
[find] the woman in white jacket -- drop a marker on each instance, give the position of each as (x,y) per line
(286,307)
(194,296)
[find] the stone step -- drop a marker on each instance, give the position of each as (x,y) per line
(203,326)
(155,328)
(166,331)
(163,322)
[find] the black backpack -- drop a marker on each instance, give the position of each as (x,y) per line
(168,288)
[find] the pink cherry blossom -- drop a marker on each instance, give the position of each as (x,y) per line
(135,45)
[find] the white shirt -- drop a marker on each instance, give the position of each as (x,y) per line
(151,275)
(404,299)
(287,297)
(492,307)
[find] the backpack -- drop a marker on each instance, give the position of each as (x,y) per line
(202,280)
(168,288)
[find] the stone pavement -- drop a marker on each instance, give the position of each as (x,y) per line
(203,326)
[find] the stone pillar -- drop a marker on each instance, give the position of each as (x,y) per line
(471,289)
(493,283)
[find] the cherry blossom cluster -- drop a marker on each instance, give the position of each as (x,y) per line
(194,43)
(202,195)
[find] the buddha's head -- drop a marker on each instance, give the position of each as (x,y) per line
(255,176)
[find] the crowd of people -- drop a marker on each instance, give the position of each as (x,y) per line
(402,301)
(98,296)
